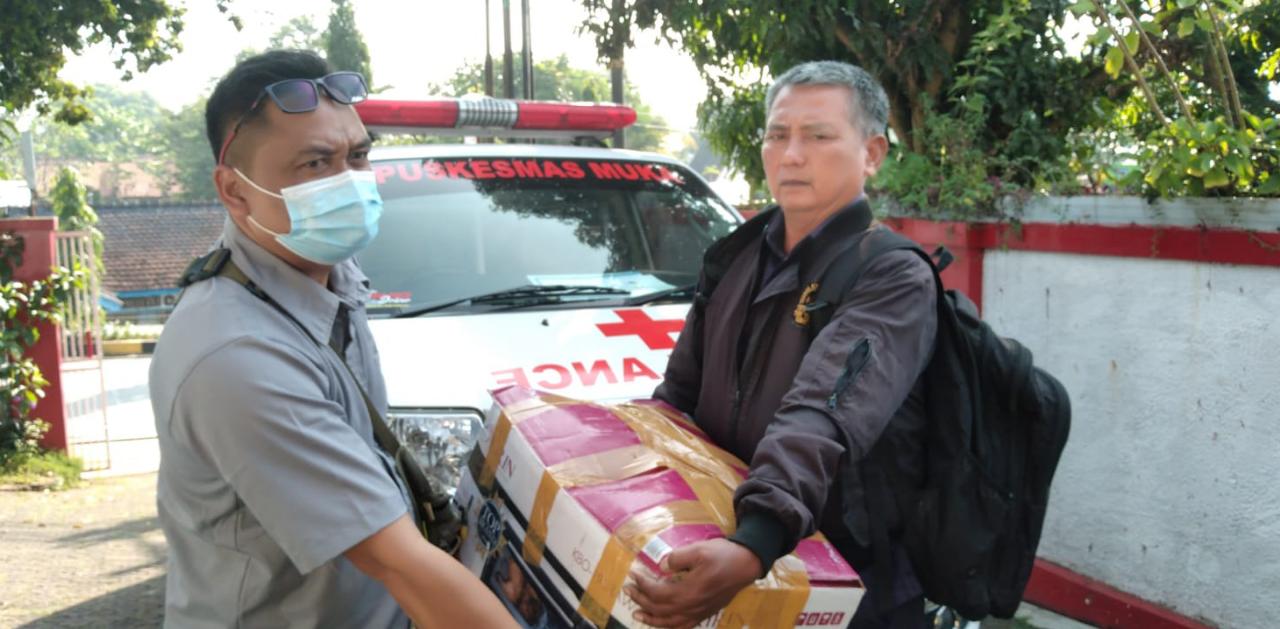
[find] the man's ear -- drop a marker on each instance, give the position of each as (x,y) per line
(877,149)
(230,187)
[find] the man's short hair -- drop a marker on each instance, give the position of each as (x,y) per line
(235,93)
(868,106)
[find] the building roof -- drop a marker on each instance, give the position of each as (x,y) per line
(146,246)
(135,179)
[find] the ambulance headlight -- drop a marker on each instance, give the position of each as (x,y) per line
(440,439)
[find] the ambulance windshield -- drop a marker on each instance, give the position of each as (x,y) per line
(456,228)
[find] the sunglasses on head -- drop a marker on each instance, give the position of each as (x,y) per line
(296,96)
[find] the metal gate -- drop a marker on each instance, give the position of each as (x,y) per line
(83,381)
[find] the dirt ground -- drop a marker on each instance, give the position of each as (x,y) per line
(94,557)
(86,557)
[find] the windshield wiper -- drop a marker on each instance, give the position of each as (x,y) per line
(523,295)
(648,298)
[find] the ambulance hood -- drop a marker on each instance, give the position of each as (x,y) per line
(452,361)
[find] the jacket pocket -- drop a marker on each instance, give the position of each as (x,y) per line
(857,359)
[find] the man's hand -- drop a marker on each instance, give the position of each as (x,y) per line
(705,577)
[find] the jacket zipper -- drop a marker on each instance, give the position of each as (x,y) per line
(853,365)
(748,368)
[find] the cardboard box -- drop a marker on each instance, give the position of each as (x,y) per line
(563,498)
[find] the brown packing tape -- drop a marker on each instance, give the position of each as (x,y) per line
(513,414)
(497,443)
(741,610)
(679,446)
(606,466)
(535,539)
(620,553)
(642,527)
(686,428)
(716,498)
(774,601)
(580,471)
(606,583)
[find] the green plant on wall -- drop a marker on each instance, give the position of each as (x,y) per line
(952,173)
(70,203)
(23,307)
(1200,121)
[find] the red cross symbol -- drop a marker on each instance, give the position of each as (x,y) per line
(656,333)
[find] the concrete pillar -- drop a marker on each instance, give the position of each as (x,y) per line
(38,260)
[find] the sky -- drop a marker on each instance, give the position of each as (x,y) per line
(411,45)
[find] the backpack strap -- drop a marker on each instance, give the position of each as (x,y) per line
(842,274)
(721,254)
(835,286)
(440,521)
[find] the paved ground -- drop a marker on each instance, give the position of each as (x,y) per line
(88,557)
(121,438)
(94,557)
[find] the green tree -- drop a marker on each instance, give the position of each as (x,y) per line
(556,80)
(985,99)
(918,49)
(1201,120)
(35,39)
(301,33)
(343,45)
(122,131)
(187,156)
(70,203)
(123,128)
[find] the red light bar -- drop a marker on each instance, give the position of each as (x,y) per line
(492,116)
(538,115)
(403,113)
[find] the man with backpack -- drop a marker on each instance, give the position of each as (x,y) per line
(796,380)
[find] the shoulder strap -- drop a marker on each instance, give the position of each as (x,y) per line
(441,524)
(843,273)
(721,253)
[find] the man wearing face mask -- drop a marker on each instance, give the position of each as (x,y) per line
(278,504)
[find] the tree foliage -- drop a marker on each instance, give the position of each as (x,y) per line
(186,153)
(1200,120)
(918,49)
(36,38)
(344,47)
(123,128)
(985,99)
(23,306)
(300,33)
(70,203)
(556,80)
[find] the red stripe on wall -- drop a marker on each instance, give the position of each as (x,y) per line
(1058,589)
(1218,246)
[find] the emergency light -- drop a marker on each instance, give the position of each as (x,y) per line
(494,117)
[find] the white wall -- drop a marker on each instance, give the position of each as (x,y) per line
(1169,487)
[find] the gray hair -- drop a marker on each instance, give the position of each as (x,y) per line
(868,106)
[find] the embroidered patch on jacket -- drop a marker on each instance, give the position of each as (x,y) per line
(802,312)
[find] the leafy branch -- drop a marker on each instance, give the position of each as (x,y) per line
(24,306)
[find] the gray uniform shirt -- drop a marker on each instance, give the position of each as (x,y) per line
(269,471)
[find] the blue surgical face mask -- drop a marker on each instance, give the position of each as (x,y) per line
(331,219)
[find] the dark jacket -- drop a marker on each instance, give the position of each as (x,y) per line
(806,416)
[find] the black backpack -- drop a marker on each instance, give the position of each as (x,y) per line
(995,429)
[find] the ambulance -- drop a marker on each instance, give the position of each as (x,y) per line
(564,266)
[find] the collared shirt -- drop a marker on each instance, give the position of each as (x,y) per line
(269,470)
(774,252)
